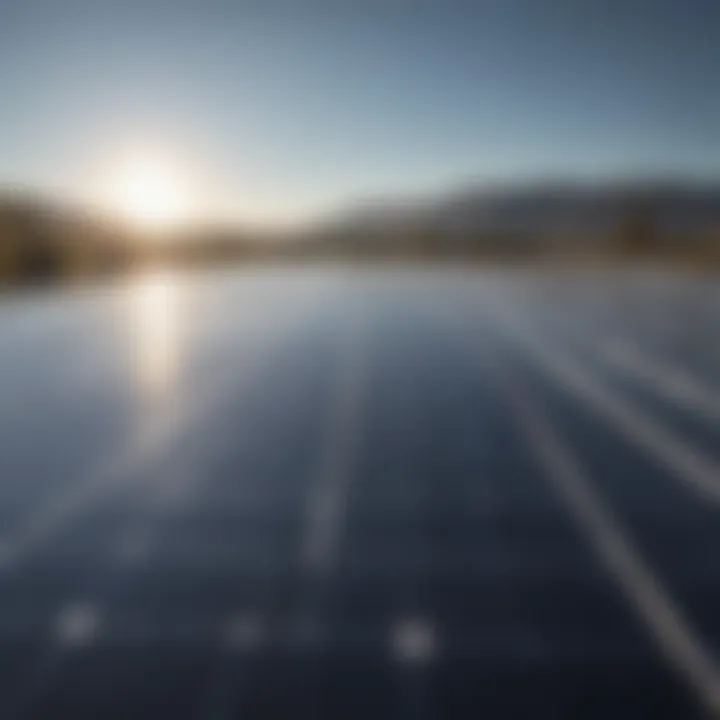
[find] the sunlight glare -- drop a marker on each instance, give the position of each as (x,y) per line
(155,320)
(149,192)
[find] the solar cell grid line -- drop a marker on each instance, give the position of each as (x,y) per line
(326,501)
(665,378)
(699,473)
(653,604)
(669,383)
(321,529)
(673,320)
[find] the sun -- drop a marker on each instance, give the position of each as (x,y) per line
(149,192)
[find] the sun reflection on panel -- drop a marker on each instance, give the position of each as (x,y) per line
(156,335)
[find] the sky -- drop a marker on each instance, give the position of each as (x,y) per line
(278,110)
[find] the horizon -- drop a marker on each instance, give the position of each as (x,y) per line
(368,205)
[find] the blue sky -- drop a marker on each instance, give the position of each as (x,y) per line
(284,108)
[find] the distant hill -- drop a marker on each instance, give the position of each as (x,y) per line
(43,239)
(673,207)
(542,211)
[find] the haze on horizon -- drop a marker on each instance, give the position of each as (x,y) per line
(279,110)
